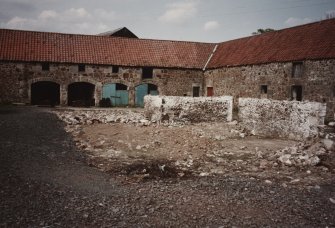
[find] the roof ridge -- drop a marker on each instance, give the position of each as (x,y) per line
(106,37)
(183,41)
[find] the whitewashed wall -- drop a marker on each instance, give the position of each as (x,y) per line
(192,109)
(289,119)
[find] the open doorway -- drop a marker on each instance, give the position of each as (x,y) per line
(81,94)
(45,93)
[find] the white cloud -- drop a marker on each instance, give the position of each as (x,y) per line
(211,25)
(80,12)
(179,12)
(293,21)
(17,22)
(70,20)
(47,14)
(105,15)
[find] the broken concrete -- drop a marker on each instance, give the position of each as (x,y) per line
(286,119)
(188,109)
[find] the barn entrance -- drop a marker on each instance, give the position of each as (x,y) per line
(81,94)
(45,93)
(142,90)
(117,94)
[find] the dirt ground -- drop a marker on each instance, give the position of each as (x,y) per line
(205,149)
(48,181)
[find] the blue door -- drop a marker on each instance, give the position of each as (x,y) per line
(117,93)
(142,90)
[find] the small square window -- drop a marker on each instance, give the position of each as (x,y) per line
(115,69)
(45,66)
(297,70)
(264,89)
(81,67)
(147,72)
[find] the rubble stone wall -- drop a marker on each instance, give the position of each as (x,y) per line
(288,119)
(16,79)
(317,81)
(190,109)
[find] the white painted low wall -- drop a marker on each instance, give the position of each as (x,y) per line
(193,109)
(289,119)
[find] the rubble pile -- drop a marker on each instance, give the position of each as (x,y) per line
(79,117)
(305,153)
(127,140)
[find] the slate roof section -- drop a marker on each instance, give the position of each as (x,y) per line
(16,45)
(311,41)
(120,32)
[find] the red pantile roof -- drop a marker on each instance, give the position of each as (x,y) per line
(311,41)
(30,46)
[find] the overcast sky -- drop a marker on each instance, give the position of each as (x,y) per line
(194,20)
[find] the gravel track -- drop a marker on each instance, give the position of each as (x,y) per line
(46,182)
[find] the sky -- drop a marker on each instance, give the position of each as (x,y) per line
(189,20)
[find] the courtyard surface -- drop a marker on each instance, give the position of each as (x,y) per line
(129,174)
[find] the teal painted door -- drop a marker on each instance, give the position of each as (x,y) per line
(117,97)
(140,92)
(122,98)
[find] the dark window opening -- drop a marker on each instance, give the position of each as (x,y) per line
(264,89)
(196,91)
(115,69)
(45,66)
(81,67)
(297,70)
(152,87)
(147,72)
(119,86)
(81,94)
(45,93)
(296,93)
(333,91)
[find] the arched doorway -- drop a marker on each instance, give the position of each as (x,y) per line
(81,94)
(117,93)
(142,90)
(45,93)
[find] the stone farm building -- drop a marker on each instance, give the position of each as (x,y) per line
(43,67)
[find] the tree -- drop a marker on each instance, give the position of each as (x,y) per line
(330,15)
(261,31)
